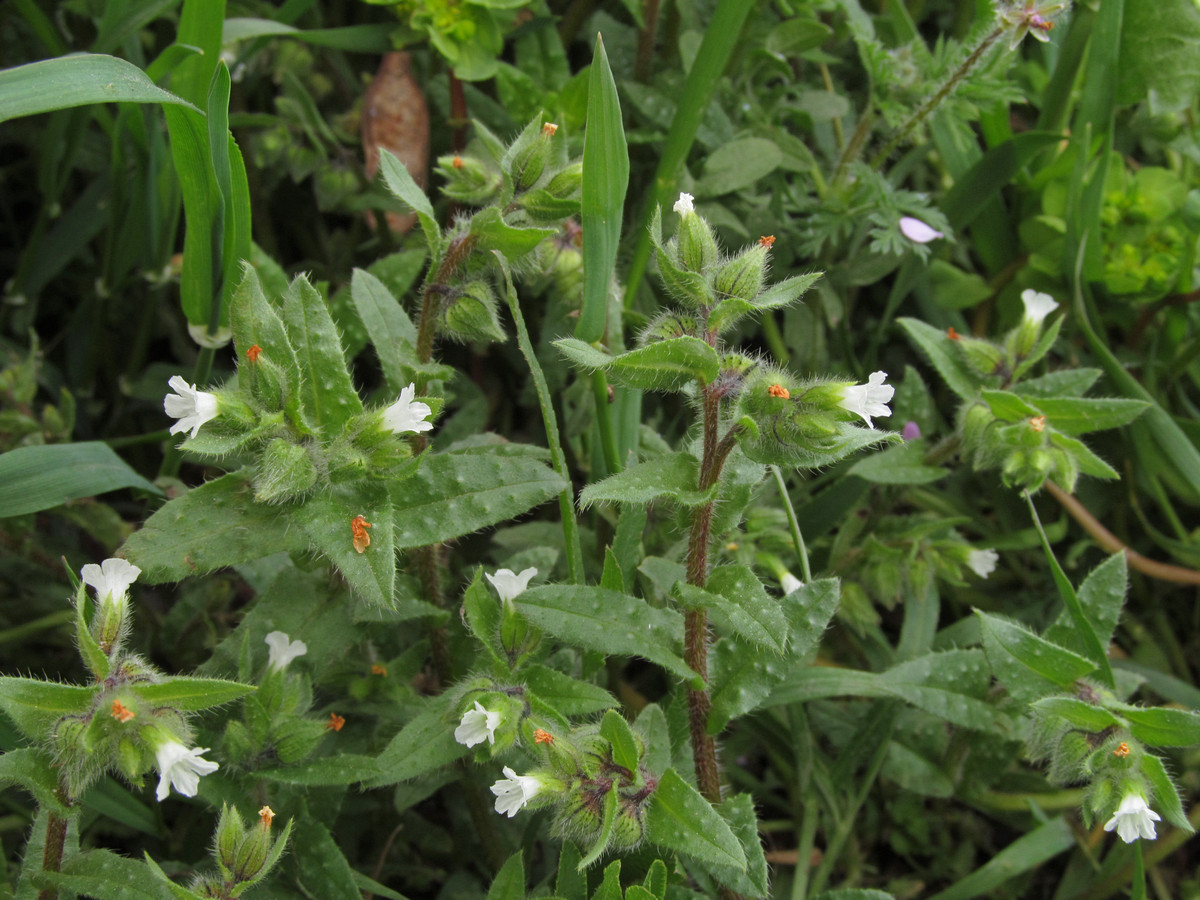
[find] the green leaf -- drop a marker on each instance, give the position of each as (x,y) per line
(326,391)
(189,693)
(1162,727)
(321,867)
(656,879)
(570,883)
(617,732)
(608,820)
(671,475)
(1028,665)
(391,331)
(345,768)
(993,171)
(1008,406)
(355,38)
(668,365)
(736,165)
(679,819)
(36,705)
(1080,415)
(902,464)
(1026,852)
(1166,796)
(215,525)
(509,883)
(567,695)
(201,204)
(1078,713)
(256,322)
(605,182)
(483,617)
(401,183)
(750,612)
(940,351)
(1089,463)
(76,80)
(1102,595)
(1064,384)
(42,477)
(424,744)
(103,875)
(854,894)
(1159,53)
(33,769)
(785,292)
(325,520)
(493,233)
(738,813)
(612,623)
(461,492)
(744,676)
(763,447)
(610,887)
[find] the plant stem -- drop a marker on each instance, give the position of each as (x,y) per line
(794,525)
(645,48)
(431,298)
(52,851)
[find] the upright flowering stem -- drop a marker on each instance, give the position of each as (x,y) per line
(695,641)
(56,839)
(431,297)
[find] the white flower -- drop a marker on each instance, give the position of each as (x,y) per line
(111,579)
(683,205)
(509,585)
(514,791)
(1037,306)
(477,725)
(191,407)
(870,399)
(180,768)
(917,231)
(1133,819)
(982,562)
(407,414)
(790,582)
(283,650)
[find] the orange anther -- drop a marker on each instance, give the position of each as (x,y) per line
(265,815)
(549,128)
(254,353)
(778,390)
(457,162)
(543,737)
(1038,423)
(121,712)
(358,528)
(335,722)
(951,333)
(766,241)
(377,669)
(1122,749)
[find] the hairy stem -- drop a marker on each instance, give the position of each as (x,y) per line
(52,851)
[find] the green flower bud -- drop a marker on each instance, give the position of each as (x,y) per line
(230,830)
(471,314)
(285,471)
(468,180)
(696,245)
(982,356)
(252,852)
(567,182)
(297,738)
(529,160)
(743,276)
(668,325)
(581,815)
(629,827)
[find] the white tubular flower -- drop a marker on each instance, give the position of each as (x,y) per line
(180,768)
(1133,819)
(407,414)
(870,399)
(191,407)
(509,585)
(477,725)
(514,791)
(917,231)
(111,579)
(283,650)
(1037,306)
(790,582)
(683,205)
(982,562)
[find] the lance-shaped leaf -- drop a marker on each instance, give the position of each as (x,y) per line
(1007,405)
(491,232)
(1089,463)
(1065,384)
(1162,727)
(902,464)
(609,622)
(672,475)
(509,883)
(763,446)
(215,525)
(1080,415)
(667,365)
(185,692)
(42,476)
(400,183)
(422,745)
(483,617)
(608,822)
(1166,795)
(569,696)
(463,491)
(345,768)
(1078,713)
(738,812)
(103,875)
(326,390)
(36,705)
(1101,596)
(34,770)
(1028,665)
(679,819)
(617,732)
(391,331)
(739,605)
(941,352)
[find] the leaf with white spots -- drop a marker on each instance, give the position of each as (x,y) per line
(326,391)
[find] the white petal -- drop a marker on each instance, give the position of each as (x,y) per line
(1037,306)
(283,649)
(790,582)
(508,584)
(191,407)
(918,231)
(407,414)
(870,399)
(111,578)
(982,562)
(683,205)
(180,768)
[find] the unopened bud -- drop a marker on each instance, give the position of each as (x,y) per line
(982,356)
(567,181)
(230,830)
(696,244)
(742,277)
(252,854)
(472,314)
(285,472)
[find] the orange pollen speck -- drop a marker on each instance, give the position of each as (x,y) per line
(549,128)
(731,546)
(335,722)
(543,737)
(778,390)
(1040,23)
(266,815)
(951,333)
(377,669)
(767,240)
(358,528)
(1121,750)
(457,162)
(121,712)
(254,353)
(1038,423)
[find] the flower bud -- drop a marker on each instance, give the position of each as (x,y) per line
(468,180)
(530,160)
(668,325)
(567,182)
(629,827)
(472,315)
(252,853)
(982,356)
(696,245)
(285,471)
(230,830)
(742,276)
